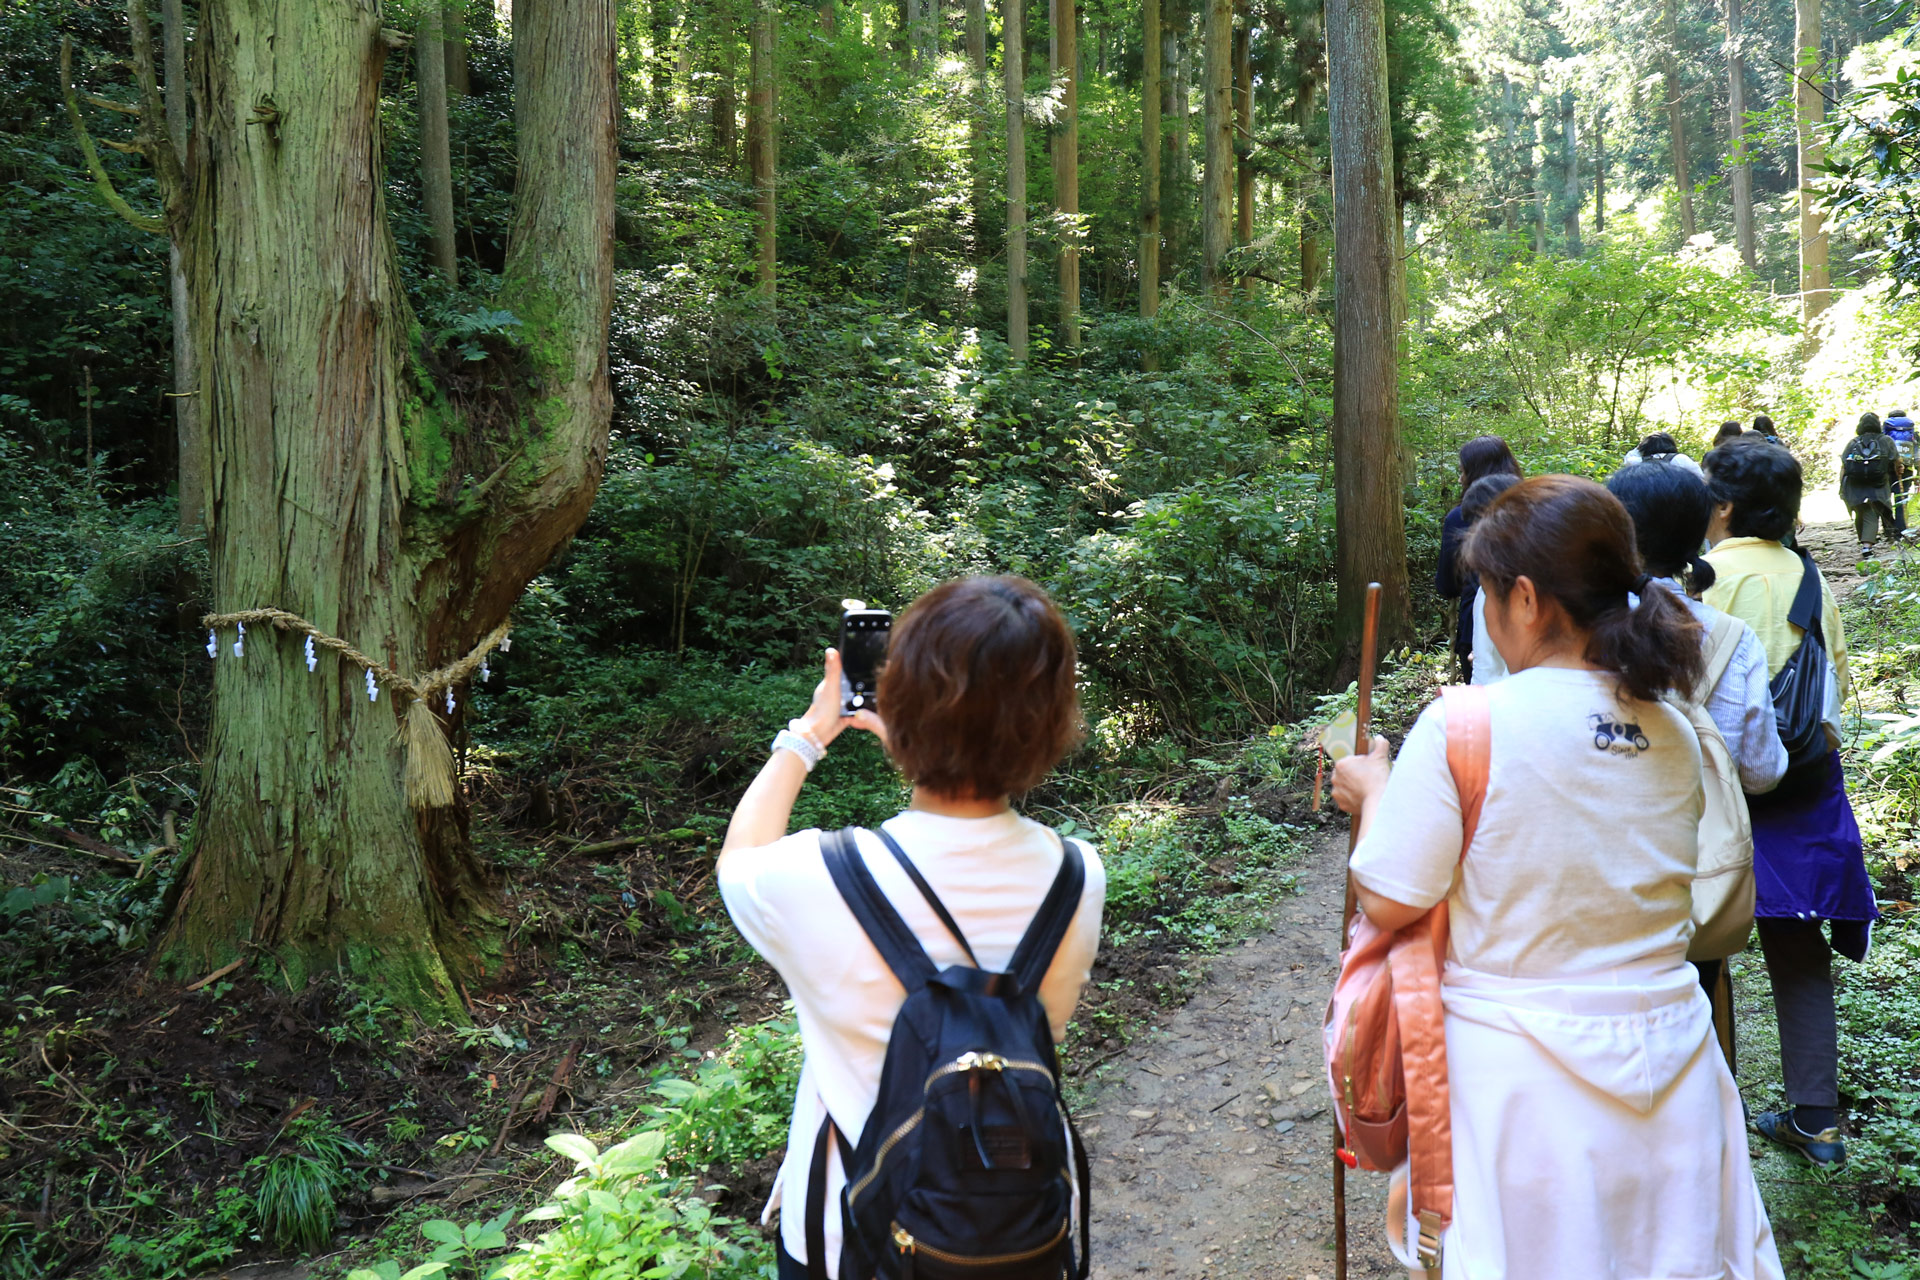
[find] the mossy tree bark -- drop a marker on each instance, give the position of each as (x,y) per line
(1013,75)
(1150,50)
(352,486)
(436,142)
(1065,54)
(762,140)
(1216,191)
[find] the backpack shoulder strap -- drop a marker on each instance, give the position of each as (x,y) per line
(889,933)
(926,891)
(1034,956)
(1722,643)
(1805,613)
(1469,752)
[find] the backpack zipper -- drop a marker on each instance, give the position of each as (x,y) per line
(965,1062)
(906,1244)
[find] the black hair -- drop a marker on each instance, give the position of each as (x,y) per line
(1869,425)
(1763,424)
(1762,481)
(1575,543)
(1728,431)
(1481,493)
(1486,456)
(1670,507)
(1656,444)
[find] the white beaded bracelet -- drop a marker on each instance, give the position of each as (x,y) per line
(787,740)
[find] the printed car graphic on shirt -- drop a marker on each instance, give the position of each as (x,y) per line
(1620,738)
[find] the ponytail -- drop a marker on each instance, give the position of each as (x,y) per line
(1575,542)
(1700,576)
(1653,647)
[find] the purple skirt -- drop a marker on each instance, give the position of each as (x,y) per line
(1807,858)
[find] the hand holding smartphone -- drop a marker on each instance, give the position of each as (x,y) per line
(864,634)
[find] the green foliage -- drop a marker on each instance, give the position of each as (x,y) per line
(735,1106)
(296,1204)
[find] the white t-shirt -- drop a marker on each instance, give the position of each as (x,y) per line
(990,872)
(1587,843)
(1488,666)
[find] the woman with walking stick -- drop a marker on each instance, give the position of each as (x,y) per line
(1595,1128)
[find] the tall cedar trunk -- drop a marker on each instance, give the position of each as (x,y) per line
(1216,210)
(1243,126)
(1573,194)
(348,488)
(189,434)
(436,149)
(660,69)
(1809,110)
(454,37)
(760,139)
(1677,117)
(1066,162)
(1537,173)
(1509,118)
(1013,46)
(979,124)
(1150,50)
(1309,53)
(726,106)
(1370,537)
(1600,170)
(1742,172)
(1177,103)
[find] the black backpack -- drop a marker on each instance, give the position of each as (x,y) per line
(1864,464)
(963,1166)
(1800,690)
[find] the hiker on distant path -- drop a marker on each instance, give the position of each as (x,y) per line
(1487,666)
(1867,468)
(979,704)
(1596,1130)
(1763,426)
(1660,447)
(1809,873)
(1728,431)
(1479,457)
(1900,429)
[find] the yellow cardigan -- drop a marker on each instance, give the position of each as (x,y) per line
(1755,580)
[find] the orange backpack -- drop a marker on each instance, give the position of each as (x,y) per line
(1385,1031)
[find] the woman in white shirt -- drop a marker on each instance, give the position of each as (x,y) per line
(1596,1130)
(979,704)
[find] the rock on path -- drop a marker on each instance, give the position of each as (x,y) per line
(1211,1141)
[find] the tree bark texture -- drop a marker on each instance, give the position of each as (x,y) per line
(660,68)
(1175,53)
(355,485)
(979,126)
(436,146)
(1013,46)
(1150,51)
(1370,537)
(1677,118)
(1243,125)
(1599,170)
(1809,109)
(459,76)
(1216,200)
(189,435)
(1309,55)
(1740,173)
(1066,163)
(1573,194)
(761,140)
(726,106)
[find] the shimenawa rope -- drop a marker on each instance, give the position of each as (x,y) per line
(429,767)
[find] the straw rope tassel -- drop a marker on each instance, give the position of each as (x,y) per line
(428,773)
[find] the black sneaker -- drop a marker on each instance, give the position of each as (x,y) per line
(1824,1148)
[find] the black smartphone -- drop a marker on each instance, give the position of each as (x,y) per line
(863,647)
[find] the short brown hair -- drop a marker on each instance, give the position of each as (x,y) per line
(978,690)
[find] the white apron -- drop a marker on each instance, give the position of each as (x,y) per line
(1597,1133)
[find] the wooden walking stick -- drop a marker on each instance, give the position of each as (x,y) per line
(1362,741)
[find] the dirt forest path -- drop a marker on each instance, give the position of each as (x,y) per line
(1211,1141)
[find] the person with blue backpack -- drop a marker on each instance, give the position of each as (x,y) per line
(1900,430)
(934,960)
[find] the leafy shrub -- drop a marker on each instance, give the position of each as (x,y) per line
(736,1105)
(296,1203)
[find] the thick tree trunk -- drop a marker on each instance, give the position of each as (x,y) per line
(1243,125)
(1150,51)
(459,76)
(1677,118)
(436,147)
(189,434)
(1216,207)
(761,140)
(1177,104)
(1573,192)
(350,488)
(726,107)
(979,125)
(1600,170)
(1370,538)
(1809,110)
(1013,45)
(1066,162)
(1309,61)
(1509,121)
(1741,174)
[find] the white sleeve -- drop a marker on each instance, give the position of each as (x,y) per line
(1072,966)
(1413,847)
(764,885)
(1488,666)
(1744,699)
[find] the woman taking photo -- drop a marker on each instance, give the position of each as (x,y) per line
(977,705)
(1596,1130)
(1809,873)
(1479,457)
